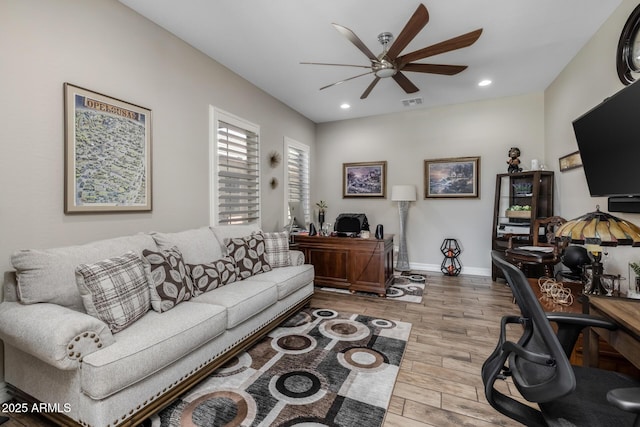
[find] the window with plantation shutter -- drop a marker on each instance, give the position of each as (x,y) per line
(297,177)
(236,170)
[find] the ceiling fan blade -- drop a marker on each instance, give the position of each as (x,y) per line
(345,80)
(370,88)
(416,23)
(338,65)
(405,83)
(356,41)
(447,70)
(448,45)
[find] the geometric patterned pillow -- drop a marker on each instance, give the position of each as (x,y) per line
(169,281)
(249,255)
(207,277)
(114,290)
(277,248)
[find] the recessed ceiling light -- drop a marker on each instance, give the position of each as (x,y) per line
(345,106)
(485,82)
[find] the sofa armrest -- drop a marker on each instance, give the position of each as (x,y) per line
(296,257)
(54,334)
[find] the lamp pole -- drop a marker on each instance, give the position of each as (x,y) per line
(402,263)
(403,194)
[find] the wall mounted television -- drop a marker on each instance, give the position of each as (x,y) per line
(608,138)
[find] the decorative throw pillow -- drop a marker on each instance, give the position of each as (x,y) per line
(249,255)
(207,277)
(276,246)
(114,290)
(169,281)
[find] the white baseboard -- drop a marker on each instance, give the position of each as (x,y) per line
(466,271)
(4,392)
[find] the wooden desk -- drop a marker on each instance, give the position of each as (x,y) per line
(350,263)
(599,352)
(625,339)
(548,304)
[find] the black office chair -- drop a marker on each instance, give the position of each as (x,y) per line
(538,362)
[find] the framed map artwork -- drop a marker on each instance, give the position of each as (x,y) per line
(107,153)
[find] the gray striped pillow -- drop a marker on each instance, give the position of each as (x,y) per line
(114,290)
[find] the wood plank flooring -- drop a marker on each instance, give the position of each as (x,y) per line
(454,329)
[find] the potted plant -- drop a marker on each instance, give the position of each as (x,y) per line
(322,207)
(518,211)
(635,266)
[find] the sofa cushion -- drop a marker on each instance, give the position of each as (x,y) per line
(114,290)
(207,277)
(169,282)
(249,254)
(288,279)
(276,246)
(242,299)
(198,246)
(149,345)
(49,275)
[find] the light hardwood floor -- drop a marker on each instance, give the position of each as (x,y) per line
(454,329)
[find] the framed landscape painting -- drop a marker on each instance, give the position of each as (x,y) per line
(107,153)
(452,178)
(367,179)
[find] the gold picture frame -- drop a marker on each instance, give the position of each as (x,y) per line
(365,179)
(570,161)
(452,178)
(107,153)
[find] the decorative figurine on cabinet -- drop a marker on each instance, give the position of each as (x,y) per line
(514,161)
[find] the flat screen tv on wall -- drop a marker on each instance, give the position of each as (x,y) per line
(608,137)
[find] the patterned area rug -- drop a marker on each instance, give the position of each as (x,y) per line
(319,368)
(406,287)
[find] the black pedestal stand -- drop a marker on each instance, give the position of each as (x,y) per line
(451,250)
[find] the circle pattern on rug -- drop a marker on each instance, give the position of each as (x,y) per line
(417,278)
(393,292)
(294,344)
(298,387)
(235,365)
(399,280)
(325,313)
(383,323)
(299,319)
(362,359)
(223,407)
(344,329)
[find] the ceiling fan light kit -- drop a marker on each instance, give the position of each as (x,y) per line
(390,64)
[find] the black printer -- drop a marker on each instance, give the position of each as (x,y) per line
(350,224)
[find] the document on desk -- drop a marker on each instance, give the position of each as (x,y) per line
(546,249)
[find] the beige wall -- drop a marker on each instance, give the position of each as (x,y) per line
(486,129)
(104,46)
(587,80)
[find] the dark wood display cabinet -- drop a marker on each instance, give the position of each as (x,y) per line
(349,263)
(532,189)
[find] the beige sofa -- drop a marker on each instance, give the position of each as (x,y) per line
(57,353)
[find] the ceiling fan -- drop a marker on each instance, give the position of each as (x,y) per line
(391,64)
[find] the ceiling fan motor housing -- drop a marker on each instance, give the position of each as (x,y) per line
(384,68)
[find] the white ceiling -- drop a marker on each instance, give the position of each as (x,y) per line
(524,45)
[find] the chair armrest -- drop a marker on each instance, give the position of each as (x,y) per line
(296,257)
(581,320)
(54,334)
(571,324)
(510,236)
(627,399)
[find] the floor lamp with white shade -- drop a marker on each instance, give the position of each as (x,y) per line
(403,194)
